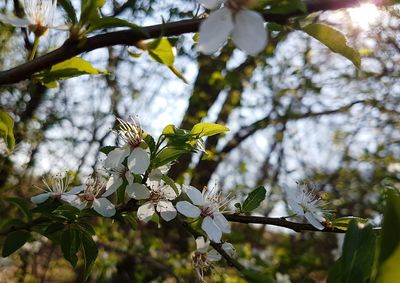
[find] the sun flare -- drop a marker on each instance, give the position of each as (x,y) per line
(364,16)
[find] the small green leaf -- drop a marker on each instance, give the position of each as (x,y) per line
(109,22)
(73,67)
(69,10)
(170,183)
(70,243)
(14,241)
(7,129)
(89,251)
(150,143)
(167,155)
(254,199)
(343,222)
(334,40)
(169,130)
(22,205)
(107,149)
(238,205)
(208,129)
(53,228)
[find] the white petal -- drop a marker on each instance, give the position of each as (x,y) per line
(194,194)
(166,209)
(116,157)
(145,212)
(221,222)
(155,175)
(112,185)
(229,249)
(249,33)
(168,192)
(202,245)
(70,198)
(313,221)
(137,191)
(214,31)
(212,230)
(76,190)
(188,209)
(40,198)
(129,177)
(104,207)
(78,203)
(210,4)
(14,21)
(213,255)
(138,161)
(295,206)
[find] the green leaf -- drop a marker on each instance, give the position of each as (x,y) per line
(53,228)
(389,257)
(254,199)
(208,129)
(89,251)
(334,40)
(355,264)
(150,143)
(167,155)
(22,205)
(170,183)
(161,51)
(286,7)
(70,243)
(14,241)
(343,222)
(109,22)
(130,218)
(73,67)
(89,11)
(107,149)
(69,10)
(7,129)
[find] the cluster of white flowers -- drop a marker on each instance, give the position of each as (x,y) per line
(233,18)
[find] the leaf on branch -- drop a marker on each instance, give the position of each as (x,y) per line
(22,205)
(89,251)
(14,241)
(334,40)
(254,199)
(70,243)
(110,22)
(358,253)
(343,222)
(208,129)
(68,69)
(7,129)
(69,10)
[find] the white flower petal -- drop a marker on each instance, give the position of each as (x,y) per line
(214,31)
(129,177)
(75,190)
(210,4)
(112,185)
(202,245)
(40,198)
(137,191)
(229,249)
(145,212)
(212,230)
(104,207)
(194,194)
(155,175)
(78,203)
(188,209)
(116,157)
(313,221)
(168,192)
(295,206)
(166,209)
(221,222)
(138,161)
(249,33)
(14,21)
(213,255)
(70,198)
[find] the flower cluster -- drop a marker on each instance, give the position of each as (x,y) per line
(233,18)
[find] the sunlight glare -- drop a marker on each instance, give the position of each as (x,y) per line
(364,16)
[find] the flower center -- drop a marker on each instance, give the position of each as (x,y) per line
(200,260)
(156,196)
(207,211)
(89,197)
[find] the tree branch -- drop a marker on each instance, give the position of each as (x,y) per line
(130,37)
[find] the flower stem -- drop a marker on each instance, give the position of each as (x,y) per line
(34,48)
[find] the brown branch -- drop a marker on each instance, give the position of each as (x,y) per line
(278,221)
(131,37)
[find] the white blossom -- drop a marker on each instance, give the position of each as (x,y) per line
(305,203)
(56,187)
(158,196)
(206,204)
(39,16)
(204,256)
(138,158)
(118,174)
(245,26)
(93,194)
